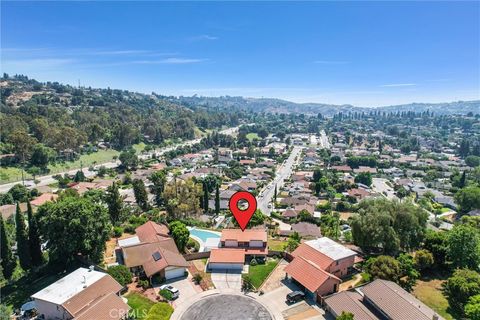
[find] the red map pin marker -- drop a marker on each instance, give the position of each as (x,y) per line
(243,216)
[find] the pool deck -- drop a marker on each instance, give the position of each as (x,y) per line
(200,241)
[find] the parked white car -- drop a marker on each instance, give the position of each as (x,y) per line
(174,291)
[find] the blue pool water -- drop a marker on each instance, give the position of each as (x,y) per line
(203,234)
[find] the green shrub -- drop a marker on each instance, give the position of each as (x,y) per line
(120,273)
(117,232)
(144,284)
(160,311)
(197,278)
(253,262)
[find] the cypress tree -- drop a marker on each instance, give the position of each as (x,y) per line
(34,238)
(114,203)
(23,247)
(205,197)
(217,200)
(8,260)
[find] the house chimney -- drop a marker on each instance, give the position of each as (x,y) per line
(91,268)
(435,317)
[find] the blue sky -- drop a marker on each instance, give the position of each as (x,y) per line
(362,53)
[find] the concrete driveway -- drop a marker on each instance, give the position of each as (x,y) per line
(276,300)
(186,288)
(225,279)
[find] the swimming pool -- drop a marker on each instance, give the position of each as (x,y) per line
(204,234)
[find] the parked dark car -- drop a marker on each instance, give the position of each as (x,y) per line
(295,296)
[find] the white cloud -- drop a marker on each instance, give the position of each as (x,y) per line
(170,61)
(398,85)
(204,37)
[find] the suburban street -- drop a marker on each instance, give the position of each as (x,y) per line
(283,172)
(48,179)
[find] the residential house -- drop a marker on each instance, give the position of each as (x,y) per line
(378,300)
(83,294)
(319,264)
(152,252)
(238,247)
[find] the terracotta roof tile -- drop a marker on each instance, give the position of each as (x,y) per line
(108,307)
(151,232)
(310,275)
(311,254)
(244,236)
(224,255)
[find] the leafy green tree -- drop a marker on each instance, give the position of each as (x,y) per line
(120,273)
(22,144)
(19,193)
(364,178)
(293,242)
(472,308)
(436,243)
(464,247)
(140,193)
(79,176)
(129,159)
(5,312)
(384,267)
(472,161)
(388,226)
(114,202)
(21,234)
(180,234)
(460,287)
(345,316)
(468,199)
(7,259)
(34,238)
(42,156)
(159,179)
(409,273)
(206,196)
(85,224)
(423,259)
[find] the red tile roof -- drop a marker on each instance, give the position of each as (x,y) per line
(151,232)
(307,252)
(224,255)
(38,201)
(244,236)
(307,273)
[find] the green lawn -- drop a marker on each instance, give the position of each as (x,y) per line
(430,292)
(140,304)
(160,311)
(443,210)
(12,174)
(260,272)
(251,136)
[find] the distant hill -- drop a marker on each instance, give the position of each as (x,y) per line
(283,106)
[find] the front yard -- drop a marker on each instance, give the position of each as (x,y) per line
(144,308)
(260,272)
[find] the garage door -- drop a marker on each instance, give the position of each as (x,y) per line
(225,266)
(174,273)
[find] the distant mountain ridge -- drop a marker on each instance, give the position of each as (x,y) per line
(284,106)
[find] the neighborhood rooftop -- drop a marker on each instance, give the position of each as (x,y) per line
(330,248)
(69,286)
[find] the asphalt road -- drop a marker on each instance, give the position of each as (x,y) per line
(283,172)
(48,179)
